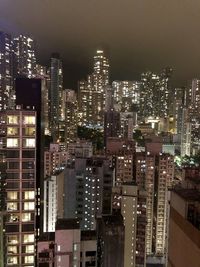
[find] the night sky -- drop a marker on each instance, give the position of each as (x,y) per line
(139,34)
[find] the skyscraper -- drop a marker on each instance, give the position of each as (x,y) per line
(155,94)
(43,73)
(93,91)
(20,225)
(55,94)
(88,187)
(155,174)
(6,72)
(24,56)
(194,115)
(70,109)
(126,95)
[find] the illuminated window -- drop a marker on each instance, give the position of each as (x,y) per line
(12,195)
(12,142)
(26,217)
(11,260)
(13,217)
(29,142)
(29,119)
(12,249)
(29,131)
(29,248)
(29,259)
(29,195)
(29,206)
(12,119)
(28,238)
(12,131)
(12,239)
(11,206)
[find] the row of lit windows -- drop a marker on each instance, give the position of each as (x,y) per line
(14,249)
(13,206)
(12,260)
(13,131)
(16,217)
(14,119)
(26,238)
(14,142)
(13,195)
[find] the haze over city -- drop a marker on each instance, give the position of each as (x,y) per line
(140,34)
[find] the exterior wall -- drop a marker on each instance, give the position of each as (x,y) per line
(184,242)
(53,201)
(68,248)
(91,247)
(178,204)
(129,213)
(20,225)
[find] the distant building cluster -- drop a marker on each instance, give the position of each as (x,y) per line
(105,176)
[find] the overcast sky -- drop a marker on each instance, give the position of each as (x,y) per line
(140,34)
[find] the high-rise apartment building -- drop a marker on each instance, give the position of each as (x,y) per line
(25,87)
(21,153)
(126,95)
(111,124)
(179,103)
(128,121)
(24,57)
(193,113)
(155,94)
(84,103)
(129,213)
(122,155)
(185,132)
(131,202)
(88,186)
(91,93)
(6,72)
(43,73)
(54,160)
(155,174)
(55,95)
(53,200)
(70,108)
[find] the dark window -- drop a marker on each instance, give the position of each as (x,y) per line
(27,185)
(28,228)
(28,175)
(12,228)
(13,165)
(12,154)
(12,185)
(28,165)
(90,264)
(11,175)
(90,253)
(28,154)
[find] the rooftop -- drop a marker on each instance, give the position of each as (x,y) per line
(188,193)
(67,224)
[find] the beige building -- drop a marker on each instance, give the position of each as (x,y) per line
(129,213)
(154,173)
(54,159)
(184,233)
